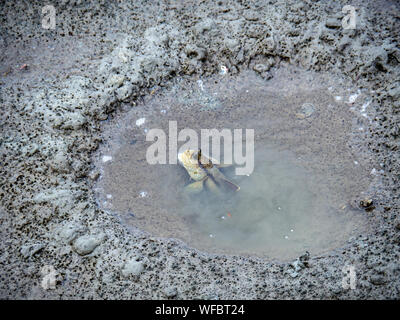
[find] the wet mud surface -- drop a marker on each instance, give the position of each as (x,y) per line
(107,62)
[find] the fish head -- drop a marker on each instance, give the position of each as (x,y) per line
(189,160)
(187,157)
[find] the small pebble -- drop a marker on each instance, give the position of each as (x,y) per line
(140,121)
(224,70)
(306,110)
(170,292)
(200,83)
(353,98)
(106,158)
(87,243)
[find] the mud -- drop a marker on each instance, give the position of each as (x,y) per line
(105,59)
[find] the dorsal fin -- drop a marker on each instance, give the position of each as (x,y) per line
(204,162)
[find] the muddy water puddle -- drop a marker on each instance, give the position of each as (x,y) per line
(305,172)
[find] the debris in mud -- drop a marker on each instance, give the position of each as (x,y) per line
(299,264)
(170,292)
(106,158)
(140,121)
(94,175)
(143,194)
(367,204)
(131,214)
(24,67)
(377,280)
(333,23)
(305,111)
(7,72)
(31,249)
(224,70)
(263,70)
(353,97)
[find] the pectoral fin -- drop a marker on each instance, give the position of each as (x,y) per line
(221,186)
(213,187)
(222,182)
(228,185)
(195,187)
(223,165)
